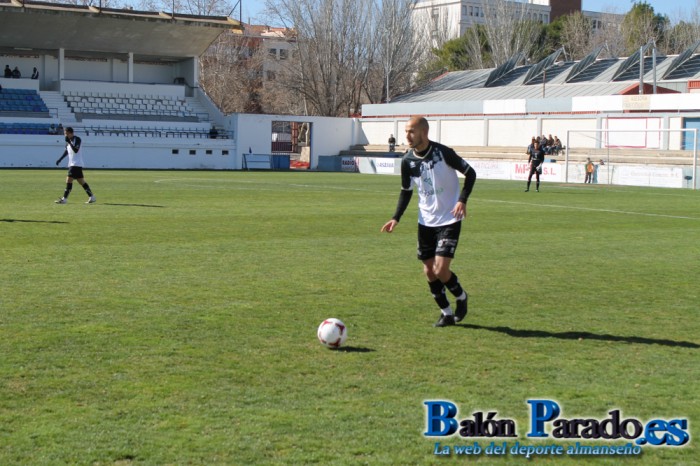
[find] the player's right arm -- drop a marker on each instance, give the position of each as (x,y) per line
(404,198)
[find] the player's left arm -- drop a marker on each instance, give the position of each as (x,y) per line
(462,166)
(75,146)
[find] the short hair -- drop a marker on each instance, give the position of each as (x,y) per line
(69,129)
(421,122)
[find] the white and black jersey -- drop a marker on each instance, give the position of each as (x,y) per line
(434,175)
(75,155)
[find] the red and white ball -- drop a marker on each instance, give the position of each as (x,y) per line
(332,333)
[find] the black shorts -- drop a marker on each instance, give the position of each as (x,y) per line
(536,168)
(438,241)
(75,172)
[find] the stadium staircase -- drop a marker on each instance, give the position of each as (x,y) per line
(54,100)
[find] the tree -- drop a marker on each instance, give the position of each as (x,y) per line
(332,50)
(395,48)
(684,33)
(641,25)
(231,73)
(681,36)
(509,29)
(576,35)
(192,7)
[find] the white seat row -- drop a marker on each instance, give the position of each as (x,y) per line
(103,104)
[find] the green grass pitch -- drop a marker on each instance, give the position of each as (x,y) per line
(174,322)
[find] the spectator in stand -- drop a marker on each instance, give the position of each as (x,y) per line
(16,74)
(59,129)
(531,145)
(557,145)
(392,143)
(35,74)
(52,129)
(213,132)
(590,168)
(8,71)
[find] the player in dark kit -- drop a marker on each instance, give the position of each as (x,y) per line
(432,168)
(535,160)
(75,167)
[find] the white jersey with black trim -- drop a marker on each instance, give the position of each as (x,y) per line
(435,177)
(75,157)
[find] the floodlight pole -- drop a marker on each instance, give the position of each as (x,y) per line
(695,159)
(544,81)
(566,157)
(653,63)
(641,70)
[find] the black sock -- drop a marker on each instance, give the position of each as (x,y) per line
(453,285)
(528,184)
(86,187)
(538,185)
(438,291)
(69,188)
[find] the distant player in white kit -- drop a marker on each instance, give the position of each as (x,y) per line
(432,168)
(75,167)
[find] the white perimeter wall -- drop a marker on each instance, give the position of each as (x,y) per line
(254,134)
(462,133)
(120,152)
(509,132)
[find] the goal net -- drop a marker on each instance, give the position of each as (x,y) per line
(257,161)
(635,157)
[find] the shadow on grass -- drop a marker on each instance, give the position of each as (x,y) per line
(582,335)
(13,220)
(134,205)
(354,349)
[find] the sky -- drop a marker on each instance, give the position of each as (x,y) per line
(674,9)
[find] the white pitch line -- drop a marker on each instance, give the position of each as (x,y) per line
(591,209)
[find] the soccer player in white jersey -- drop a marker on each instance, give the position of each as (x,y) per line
(432,168)
(75,167)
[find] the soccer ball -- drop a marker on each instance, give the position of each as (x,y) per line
(332,333)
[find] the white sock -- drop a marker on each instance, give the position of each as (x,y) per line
(462,297)
(447,311)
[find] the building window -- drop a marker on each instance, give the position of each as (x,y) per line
(272,52)
(270,75)
(471,10)
(284,54)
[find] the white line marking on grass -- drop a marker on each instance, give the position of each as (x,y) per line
(188,182)
(602,188)
(591,209)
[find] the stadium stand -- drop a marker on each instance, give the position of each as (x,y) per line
(138,107)
(22,103)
